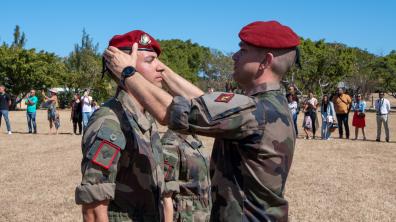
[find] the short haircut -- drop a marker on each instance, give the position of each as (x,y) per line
(283,60)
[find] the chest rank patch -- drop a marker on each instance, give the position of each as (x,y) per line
(168,170)
(105,154)
(224,97)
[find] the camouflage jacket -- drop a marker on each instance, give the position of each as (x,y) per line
(252,152)
(187,176)
(122,162)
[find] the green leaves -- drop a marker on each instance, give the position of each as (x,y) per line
(184,57)
(325,65)
(22,70)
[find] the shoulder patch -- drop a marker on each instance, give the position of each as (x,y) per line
(105,154)
(109,132)
(234,104)
(224,97)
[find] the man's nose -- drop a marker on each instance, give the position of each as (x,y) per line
(160,67)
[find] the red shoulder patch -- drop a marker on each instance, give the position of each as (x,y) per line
(224,97)
(105,154)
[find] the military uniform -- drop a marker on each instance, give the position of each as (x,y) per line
(187,177)
(122,162)
(252,152)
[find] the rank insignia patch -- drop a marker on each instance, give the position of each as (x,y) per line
(105,154)
(168,170)
(224,97)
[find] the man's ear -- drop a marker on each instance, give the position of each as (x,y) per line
(268,59)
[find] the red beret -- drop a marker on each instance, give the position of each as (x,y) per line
(144,40)
(269,34)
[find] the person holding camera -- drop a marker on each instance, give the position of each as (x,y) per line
(31,102)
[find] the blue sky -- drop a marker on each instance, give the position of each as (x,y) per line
(55,26)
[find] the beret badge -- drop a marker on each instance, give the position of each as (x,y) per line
(144,40)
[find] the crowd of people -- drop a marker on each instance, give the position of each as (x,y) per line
(335,110)
(81,110)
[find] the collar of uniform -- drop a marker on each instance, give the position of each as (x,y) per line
(269,86)
(142,119)
(192,141)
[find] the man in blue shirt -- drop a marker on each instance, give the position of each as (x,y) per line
(31,102)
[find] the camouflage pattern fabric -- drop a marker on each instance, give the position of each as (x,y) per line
(120,134)
(252,153)
(187,176)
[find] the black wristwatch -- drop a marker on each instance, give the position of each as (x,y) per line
(127,72)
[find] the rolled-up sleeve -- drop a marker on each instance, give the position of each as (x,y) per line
(205,116)
(98,181)
(90,193)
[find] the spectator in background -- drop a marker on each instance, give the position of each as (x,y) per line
(328,117)
(5,103)
(359,116)
(86,108)
(382,107)
(307,123)
(76,114)
(51,104)
(94,106)
(312,103)
(293,109)
(342,105)
(31,102)
(293,90)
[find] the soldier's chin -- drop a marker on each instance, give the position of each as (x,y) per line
(158,84)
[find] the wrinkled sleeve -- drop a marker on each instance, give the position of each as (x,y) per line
(98,174)
(234,119)
(170,145)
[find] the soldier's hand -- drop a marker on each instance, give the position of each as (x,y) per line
(116,60)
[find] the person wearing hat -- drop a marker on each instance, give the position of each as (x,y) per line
(254,134)
(122,165)
(51,103)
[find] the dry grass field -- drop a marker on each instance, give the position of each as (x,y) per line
(336,180)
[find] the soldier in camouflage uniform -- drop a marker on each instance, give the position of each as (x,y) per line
(186,177)
(254,135)
(122,166)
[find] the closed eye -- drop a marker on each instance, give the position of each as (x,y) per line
(149,59)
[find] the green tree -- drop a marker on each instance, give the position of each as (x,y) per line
(217,70)
(384,69)
(19,39)
(84,66)
(22,70)
(324,65)
(184,57)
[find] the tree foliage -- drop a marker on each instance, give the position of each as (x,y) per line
(184,57)
(84,67)
(22,69)
(324,67)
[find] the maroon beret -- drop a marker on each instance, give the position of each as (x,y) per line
(144,40)
(269,34)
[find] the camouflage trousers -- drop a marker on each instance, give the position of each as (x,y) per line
(116,214)
(191,209)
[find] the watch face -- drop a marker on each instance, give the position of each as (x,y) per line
(128,71)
